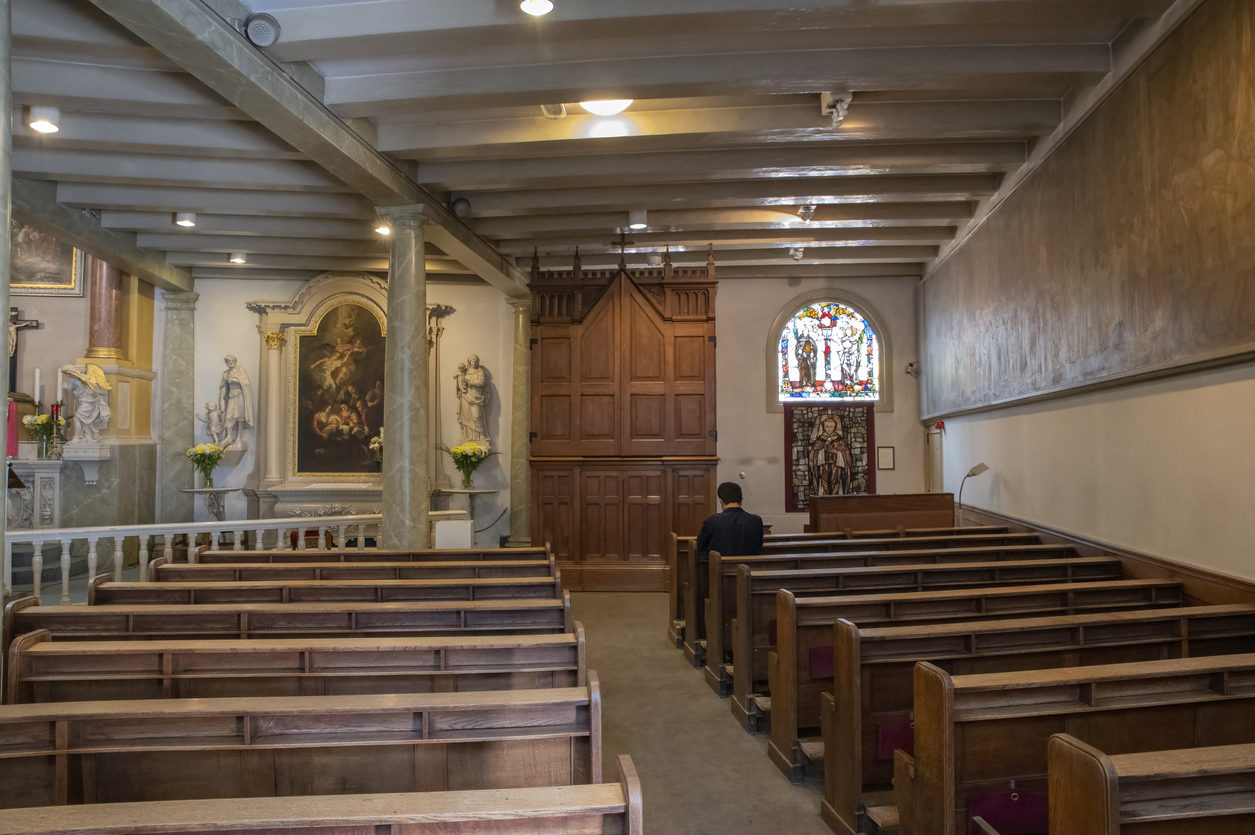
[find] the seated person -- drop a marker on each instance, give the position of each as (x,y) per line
(735,532)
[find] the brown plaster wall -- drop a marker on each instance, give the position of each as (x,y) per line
(1130,251)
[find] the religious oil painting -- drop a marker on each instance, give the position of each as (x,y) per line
(43,265)
(339,393)
(828,352)
(826,450)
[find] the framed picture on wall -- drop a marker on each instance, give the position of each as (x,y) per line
(884,458)
(43,265)
(827,451)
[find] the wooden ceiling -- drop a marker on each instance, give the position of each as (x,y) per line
(284,153)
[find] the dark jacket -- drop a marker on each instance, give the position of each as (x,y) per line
(733,533)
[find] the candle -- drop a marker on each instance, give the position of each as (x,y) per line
(60,384)
(38,399)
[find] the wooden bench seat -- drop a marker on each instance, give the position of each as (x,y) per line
(311,620)
(802,634)
(39,669)
(599,809)
(1209,789)
(105,590)
(974,734)
(684,573)
(1001,569)
(868,713)
(162,571)
(212,557)
(183,749)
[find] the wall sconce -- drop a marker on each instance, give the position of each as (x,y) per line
(912,369)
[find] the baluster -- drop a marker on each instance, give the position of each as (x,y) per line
(91,558)
(300,538)
(239,541)
(340,537)
(322,537)
(361,536)
(192,547)
(118,543)
(143,558)
(65,571)
(282,543)
(8,568)
(168,550)
(37,568)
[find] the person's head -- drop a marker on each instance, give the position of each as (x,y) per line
(729,493)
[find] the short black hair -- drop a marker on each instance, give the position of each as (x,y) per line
(729,492)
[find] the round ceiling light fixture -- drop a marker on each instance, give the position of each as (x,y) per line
(638,219)
(383,229)
(185,219)
(536,8)
(606,107)
(44,119)
(238,258)
(261,30)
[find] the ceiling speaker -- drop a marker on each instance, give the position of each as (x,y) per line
(261,30)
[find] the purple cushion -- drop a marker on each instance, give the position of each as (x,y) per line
(894,735)
(1011,812)
(821,662)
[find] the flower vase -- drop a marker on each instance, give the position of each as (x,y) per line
(208,478)
(468,480)
(45,447)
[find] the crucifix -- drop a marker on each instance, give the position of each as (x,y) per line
(16,323)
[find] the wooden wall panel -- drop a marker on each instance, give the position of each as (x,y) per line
(554,498)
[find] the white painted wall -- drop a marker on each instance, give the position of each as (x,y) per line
(1164,467)
(60,339)
(751,439)
(225,326)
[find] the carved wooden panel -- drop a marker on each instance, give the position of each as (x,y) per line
(554,495)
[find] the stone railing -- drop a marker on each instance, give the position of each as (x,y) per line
(108,545)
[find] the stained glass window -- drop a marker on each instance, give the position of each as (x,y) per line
(829,352)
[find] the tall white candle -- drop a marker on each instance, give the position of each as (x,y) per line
(37,397)
(60,384)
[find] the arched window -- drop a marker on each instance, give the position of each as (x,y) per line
(828,352)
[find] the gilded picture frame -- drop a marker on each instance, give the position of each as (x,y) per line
(43,265)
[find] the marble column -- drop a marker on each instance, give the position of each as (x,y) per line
(521,426)
(178,405)
(6,188)
(407,441)
(104,335)
(271,434)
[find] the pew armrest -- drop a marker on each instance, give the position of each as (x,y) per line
(903,786)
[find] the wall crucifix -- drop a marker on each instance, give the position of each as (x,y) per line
(16,324)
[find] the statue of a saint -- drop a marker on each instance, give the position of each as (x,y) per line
(91,402)
(474,397)
(213,423)
(831,462)
(235,398)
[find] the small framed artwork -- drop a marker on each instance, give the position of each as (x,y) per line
(884,458)
(42,265)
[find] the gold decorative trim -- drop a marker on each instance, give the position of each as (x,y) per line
(274,341)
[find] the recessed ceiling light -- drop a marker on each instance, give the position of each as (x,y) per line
(536,8)
(638,219)
(383,229)
(44,119)
(606,107)
(185,219)
(238,258)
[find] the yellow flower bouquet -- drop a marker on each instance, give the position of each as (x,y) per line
(204,458)
(467,457)
(42,427)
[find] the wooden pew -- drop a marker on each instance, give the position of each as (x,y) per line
(868,713)
(786,674)
(104,590)
(285,620)
(1151,793)
(374,555)
(162,571)
(974,734)
(178,749)
(683,573)
(1000,569)
(720,603)
(39,669)
(603,808)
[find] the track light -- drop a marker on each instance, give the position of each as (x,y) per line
(44,119)
(238,258)
(185,219)
(536,8)
(638,219)
(606,107)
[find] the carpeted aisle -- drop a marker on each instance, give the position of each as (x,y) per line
(658,708)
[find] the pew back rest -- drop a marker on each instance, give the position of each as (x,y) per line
(210,556)
(161,571)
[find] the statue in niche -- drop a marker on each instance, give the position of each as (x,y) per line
(235,399)
(474,397)
(213,423)
(91,402)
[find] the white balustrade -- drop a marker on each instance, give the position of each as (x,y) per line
(36,539)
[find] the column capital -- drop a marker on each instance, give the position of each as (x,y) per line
(521,305)
(274,340)
(406,217)
(180,300)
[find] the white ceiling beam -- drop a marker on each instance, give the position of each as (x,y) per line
(243,225)
(719,127)
(306,262)
(753,257)
(241,272)
(331,247)
(689,166)
(803,270)
(51,162)
(672,76)
(737,193)
(116,133)
(779,238)
(205,45)
(220,201)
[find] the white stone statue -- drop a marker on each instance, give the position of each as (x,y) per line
(213,424)
(474,398)
(91,408)
(235,399)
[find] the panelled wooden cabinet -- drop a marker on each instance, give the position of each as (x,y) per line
(623,419)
